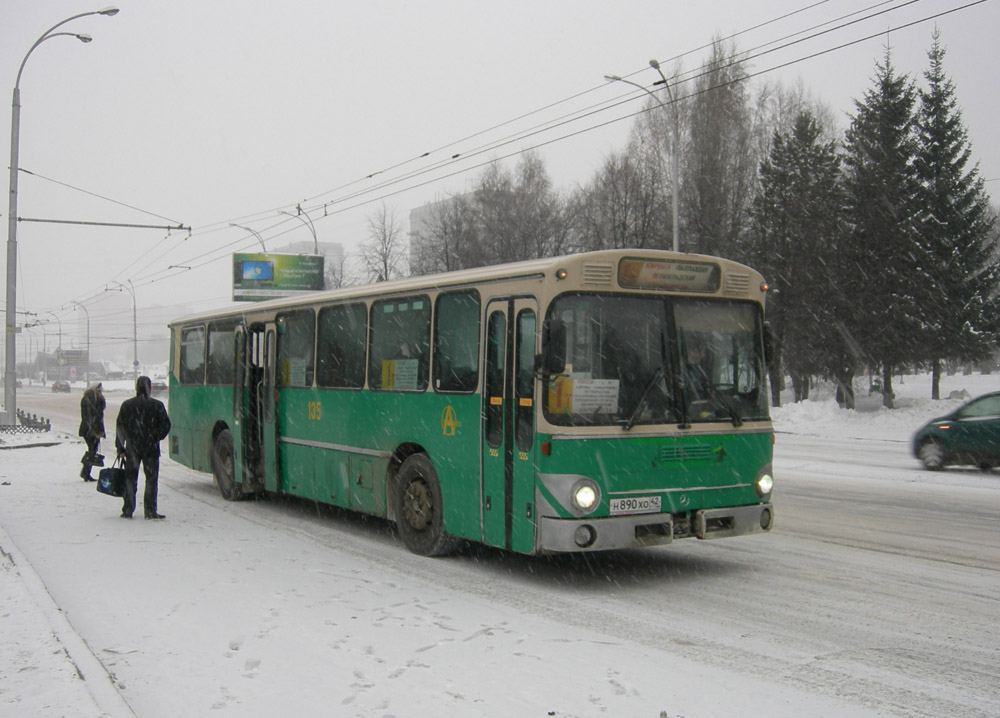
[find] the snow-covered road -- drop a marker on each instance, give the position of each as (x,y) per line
(876,594)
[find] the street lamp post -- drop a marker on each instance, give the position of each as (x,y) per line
(45,334)
(58,345)
(87,313)
(254,232)
(45,341)
(674,194)
(135,344)
(27,355)
(308,223)
(10,364)
(59,322)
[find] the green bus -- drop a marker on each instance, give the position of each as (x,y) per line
(595,401)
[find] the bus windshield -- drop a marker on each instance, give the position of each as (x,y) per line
(650,360)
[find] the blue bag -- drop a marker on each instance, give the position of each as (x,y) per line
(111,481)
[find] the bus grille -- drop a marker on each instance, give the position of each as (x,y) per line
(702,452)
(599,274)
(737,283)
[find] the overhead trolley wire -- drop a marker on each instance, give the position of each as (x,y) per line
(388,187)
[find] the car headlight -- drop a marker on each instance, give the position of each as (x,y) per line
(585,495)
(764,484)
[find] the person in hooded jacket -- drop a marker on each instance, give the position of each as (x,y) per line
(142,424)
(92,427)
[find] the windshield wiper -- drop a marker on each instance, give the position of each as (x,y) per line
(627,426)
(724,403)
(737,419)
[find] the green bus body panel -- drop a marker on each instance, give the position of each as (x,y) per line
(444,426)
(194,410)
(689,472)
(356,432)
(369,421)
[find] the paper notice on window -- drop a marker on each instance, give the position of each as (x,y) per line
(297,372)
(595,396)
(406,374)
(584,396)
(399,374)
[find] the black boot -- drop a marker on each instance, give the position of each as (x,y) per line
(85,474)
(154,515)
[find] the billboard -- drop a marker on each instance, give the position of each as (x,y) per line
(257,277)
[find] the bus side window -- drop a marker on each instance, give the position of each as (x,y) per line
(524,380)
(193,355)
(220,369)
(295,348)
(496,346)
(456,342)
(399,345)
(342,339)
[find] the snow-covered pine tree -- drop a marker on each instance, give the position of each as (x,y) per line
(956,229)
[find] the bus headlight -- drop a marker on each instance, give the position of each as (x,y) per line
(585,495)
(764,484)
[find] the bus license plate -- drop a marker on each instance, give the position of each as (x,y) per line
(635,505)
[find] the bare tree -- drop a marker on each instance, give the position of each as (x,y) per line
(495,203)
(539,221)
(448,239)
(335,271)
(721,158)
(383,255)
(781,106)
(508,216)
(655,145)
(621,207)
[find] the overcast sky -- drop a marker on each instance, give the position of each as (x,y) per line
(201,113)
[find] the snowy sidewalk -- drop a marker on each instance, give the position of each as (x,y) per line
(45,667)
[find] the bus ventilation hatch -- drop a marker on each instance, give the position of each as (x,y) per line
(599,274)
(702,452)
(737,283)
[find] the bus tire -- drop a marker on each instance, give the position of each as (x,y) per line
(419,509)
(222,466)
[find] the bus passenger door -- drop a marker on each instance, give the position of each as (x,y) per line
(240,419)
(508,425)
(248,408)
(254,452)
(268,398)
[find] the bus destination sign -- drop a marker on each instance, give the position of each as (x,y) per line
(668,276)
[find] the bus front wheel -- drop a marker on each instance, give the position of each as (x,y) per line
(419,512)
(222,466)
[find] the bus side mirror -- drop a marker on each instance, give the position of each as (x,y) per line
(554,347)
(768,343)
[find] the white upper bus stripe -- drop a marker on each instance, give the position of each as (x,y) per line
(337,447)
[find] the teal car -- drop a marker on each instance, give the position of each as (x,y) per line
(969,435)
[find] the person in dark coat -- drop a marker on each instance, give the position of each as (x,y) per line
(92,427)
(142,424)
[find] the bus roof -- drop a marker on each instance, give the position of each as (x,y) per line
(459,278)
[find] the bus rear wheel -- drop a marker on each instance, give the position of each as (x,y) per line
(222,466)
(419,509)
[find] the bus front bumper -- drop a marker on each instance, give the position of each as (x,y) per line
(556,535)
